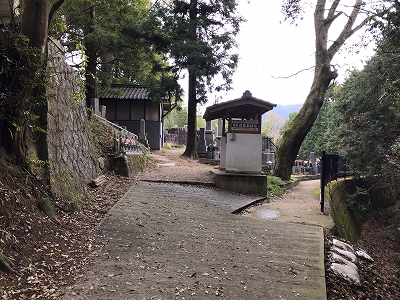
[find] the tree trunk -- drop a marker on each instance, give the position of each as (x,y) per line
(34,25)
(91,82)
(35,21)
(191,147)
(324,73)
(301,125)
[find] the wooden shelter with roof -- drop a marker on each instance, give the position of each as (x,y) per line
(241,142)
(128,104)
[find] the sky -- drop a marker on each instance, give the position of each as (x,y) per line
(269,49)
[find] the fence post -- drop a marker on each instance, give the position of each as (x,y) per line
(323,174)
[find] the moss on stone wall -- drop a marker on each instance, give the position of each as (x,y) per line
(354,201)
(129,165)
(348,225)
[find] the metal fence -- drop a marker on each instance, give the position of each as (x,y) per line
(124,140)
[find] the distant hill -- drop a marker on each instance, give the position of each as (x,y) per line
(285,110)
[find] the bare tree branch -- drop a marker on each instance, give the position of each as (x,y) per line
(348,29)
(286,77)
(332,11)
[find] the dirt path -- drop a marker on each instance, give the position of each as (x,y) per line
(300,205)
(171,167)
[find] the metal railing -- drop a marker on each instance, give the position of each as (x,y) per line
(124,140)
(267,143)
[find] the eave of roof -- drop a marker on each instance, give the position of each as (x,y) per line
(125,91)
(245,107)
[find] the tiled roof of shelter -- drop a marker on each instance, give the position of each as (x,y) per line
(246,107)
(125,91)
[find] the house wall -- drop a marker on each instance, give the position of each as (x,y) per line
(129,113)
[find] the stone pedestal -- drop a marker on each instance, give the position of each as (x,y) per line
(253,184)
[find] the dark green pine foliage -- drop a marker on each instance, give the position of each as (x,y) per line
(201,41)
(127,43)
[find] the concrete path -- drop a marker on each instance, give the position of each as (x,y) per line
(167,241)
(300,205)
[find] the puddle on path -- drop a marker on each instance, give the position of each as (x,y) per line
(264,213)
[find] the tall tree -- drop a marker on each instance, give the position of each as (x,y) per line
(122,42)
(23,66)
(201,36)
(275,124)
(324,73)
(23,81)
(319,138)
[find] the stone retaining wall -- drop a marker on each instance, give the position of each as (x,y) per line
(74,160)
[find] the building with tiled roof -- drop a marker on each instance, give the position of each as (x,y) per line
(127,104)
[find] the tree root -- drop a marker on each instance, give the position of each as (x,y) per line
(6,264)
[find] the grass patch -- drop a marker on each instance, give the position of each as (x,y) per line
(78,200)
(276,186)
(316,193)
(170,146)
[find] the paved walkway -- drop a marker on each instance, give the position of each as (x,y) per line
(168,241)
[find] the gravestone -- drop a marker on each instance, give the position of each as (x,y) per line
(94,104)
(103,110)
(201,143)
(142,133)
(209,134)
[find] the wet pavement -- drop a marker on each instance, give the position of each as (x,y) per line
(169,241)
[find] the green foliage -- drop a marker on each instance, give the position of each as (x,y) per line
(177,117)
(320,137)
(367,108)
(22,72)
(275,186)
(40,168)
(287,123)
(358,202)
(200,38)
(266,129)
(201,123)
(386,24)
(128,41)
(78,200)
(141,162)
(103,136)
